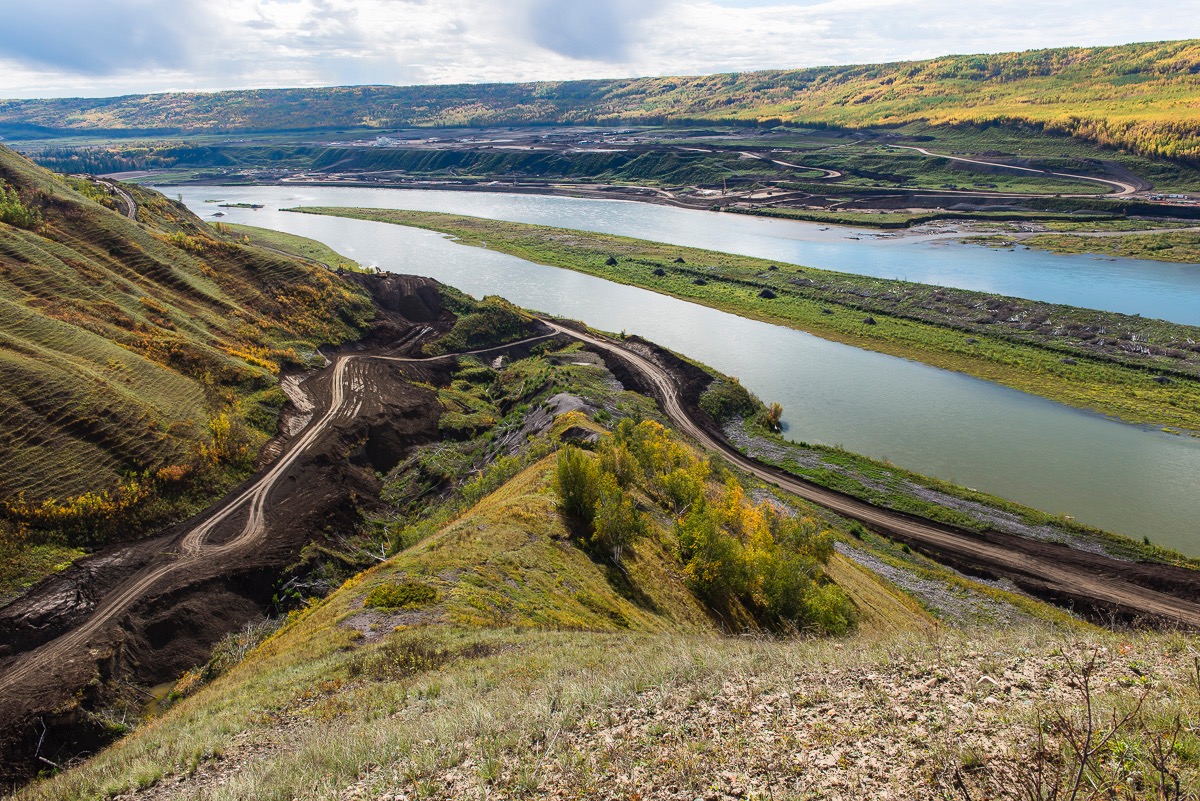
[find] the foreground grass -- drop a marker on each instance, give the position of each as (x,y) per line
(1048,350)
(451,713)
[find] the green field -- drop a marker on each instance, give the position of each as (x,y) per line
(935,325)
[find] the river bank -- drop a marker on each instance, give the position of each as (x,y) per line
(1075,356)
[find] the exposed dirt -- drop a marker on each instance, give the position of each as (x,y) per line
(144,612)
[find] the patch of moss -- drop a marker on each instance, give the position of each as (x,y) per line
(402,595)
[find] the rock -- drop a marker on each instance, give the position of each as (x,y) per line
(660,272)
(680,260)
(700,282)
(1069,361)
(767,294)
(610,262)
(869,320)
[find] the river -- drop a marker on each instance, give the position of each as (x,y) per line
(1129,479)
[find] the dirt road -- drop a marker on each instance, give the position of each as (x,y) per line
(1055,571)
(1122,188)
(346,400)
(130,209)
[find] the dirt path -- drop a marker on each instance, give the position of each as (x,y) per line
(130,210)
(1100,582)
(1123,189)
(345,402)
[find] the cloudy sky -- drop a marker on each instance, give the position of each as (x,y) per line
(106,47)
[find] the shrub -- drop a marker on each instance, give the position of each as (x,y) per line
(726,399)
(403,595)
(772,416)
(617,521)
(492,321)
(578,484)
(14,211)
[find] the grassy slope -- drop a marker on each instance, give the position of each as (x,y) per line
(529,662)
(1009,356)
(123,344)
(302,246)
(1139,97)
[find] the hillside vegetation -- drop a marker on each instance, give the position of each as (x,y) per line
(1141,98)
(501,656)
(140,358)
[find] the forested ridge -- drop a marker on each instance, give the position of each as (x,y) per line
(1144,98)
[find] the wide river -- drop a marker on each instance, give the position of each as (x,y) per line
(1130,479)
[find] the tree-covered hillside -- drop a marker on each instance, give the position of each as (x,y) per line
(1144,98)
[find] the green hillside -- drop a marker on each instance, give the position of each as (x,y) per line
(1140,97)
(497,658)
(140,358)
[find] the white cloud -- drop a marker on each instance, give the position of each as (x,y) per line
(64,47)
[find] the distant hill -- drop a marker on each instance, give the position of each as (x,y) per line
(140,358)
(1142,97)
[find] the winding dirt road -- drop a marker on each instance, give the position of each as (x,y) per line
(131,209)
(1052,569)
(1123,189)
(1098,580)
(346,401)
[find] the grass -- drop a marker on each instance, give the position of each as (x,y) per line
(302,246)
(1183,246)
(445,712)
(528,667)
(1023,344)
(141,361)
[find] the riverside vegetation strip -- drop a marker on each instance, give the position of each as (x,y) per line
(1139,370)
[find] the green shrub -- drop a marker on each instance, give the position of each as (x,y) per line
(14,212)
(404,595)
(578,484)
(492,321)
(724,400)
(617,521)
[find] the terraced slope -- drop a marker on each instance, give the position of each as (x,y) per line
(139,358)
(1140,97)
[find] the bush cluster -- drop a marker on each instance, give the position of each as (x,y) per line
(493,321)
(733,551)
(402,595)
(15,212)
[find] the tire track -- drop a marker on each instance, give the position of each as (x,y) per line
(344,403)
(1102,587)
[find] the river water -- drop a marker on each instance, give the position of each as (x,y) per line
(1124,478)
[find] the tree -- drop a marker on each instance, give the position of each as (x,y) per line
(617,522)
(578,485)
(774,415)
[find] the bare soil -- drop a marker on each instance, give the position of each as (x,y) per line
(53,684)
